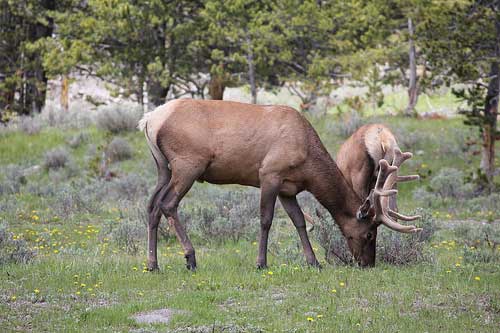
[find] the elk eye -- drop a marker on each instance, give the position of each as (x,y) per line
(369,236)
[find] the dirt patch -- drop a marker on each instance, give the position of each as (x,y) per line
(161,316)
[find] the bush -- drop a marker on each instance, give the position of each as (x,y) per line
(29,125)
(13,180)
(449,183)
(129,235)
(77,140)
(130,187)
(56,158)
(232,215)
(12,249)
(78,198)
(118,150)
(117,118)
(348,123)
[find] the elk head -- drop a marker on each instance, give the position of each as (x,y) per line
(361,237)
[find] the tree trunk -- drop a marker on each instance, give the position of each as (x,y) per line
(216,87)
(490,124)
(413,86)
(65,93)
(157,94)
(251,71)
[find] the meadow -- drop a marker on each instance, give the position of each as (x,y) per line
(72,240)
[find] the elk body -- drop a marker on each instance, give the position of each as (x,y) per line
(273,148)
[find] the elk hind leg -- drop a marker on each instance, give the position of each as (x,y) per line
(183,178)
(154,213)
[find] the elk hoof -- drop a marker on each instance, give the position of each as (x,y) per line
(261,266)
(190,262)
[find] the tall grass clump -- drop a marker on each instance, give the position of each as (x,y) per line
(116,118)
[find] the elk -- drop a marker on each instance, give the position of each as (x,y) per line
(358,158)
(273,148)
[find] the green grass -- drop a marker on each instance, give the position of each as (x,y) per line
(82,281)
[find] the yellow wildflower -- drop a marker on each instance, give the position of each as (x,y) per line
(477,278)
(310,319)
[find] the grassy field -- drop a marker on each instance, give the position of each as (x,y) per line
(83,239)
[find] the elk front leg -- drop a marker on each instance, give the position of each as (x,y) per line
(293,210)
(268,195)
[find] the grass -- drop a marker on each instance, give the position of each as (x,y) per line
(82,280)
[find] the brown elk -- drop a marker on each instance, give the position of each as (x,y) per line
(358,158)
(271,147)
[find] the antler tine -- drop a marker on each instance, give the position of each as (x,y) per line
(400,216)
(386,179)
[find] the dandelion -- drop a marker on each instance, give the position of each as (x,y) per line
(310,319)
(78,293)
(334,291)
(342,284)
(448,271)
(319,316)
(134,268)
(270,273)
(140,293)
(13,298)
(477,278)
(36,291)
(83,285)
(89,289)
(457,264)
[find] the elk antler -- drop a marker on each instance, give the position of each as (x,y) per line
(386,179)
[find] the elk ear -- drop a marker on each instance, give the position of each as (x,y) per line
(366,210)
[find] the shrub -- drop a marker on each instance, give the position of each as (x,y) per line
(77,140)
(129,235)
(13,180)
(117,118)
(130,187)
(349,122)
(409,140)
(78,198)
(56,158)
(449,183)
(118,150)
(12,249)
(29,125)
(232,215)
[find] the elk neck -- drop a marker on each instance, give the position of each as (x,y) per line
(329,186)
